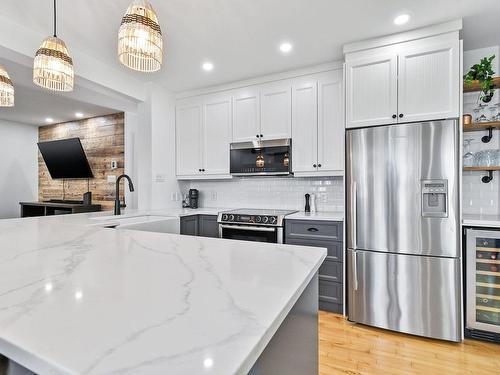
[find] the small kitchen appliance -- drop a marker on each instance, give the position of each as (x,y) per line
(193,198)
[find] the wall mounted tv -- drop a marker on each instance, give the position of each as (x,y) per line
(65,159)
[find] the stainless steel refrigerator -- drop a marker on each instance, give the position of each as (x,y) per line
(403,232)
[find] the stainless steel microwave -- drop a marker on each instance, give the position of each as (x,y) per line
(261,158)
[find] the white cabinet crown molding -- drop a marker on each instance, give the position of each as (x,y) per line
(269,78)
(424,32)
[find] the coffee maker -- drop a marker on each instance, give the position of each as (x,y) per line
(193,198)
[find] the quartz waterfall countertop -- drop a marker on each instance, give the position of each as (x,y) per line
(488,221)
(322,215)
(82,299)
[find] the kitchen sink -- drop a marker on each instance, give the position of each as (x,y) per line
(147,223)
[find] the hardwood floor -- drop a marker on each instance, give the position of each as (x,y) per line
(347,348)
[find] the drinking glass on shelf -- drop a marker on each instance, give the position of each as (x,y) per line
(480,116)
(485,158)
(468,156)
(494,111)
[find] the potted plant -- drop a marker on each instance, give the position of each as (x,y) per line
(482,72)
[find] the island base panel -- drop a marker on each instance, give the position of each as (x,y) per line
(293,350)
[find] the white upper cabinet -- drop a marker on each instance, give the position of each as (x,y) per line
(331,134)
(372,89)
(188,126)
(429,80)
(246,115)
(216,135)
(410,81)
(276,112)
(305,127)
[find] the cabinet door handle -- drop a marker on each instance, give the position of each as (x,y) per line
(262,136)
(314,165)
(319,165)
(312,229)
(257,136)
(401,115)
(199,170)
(394,116)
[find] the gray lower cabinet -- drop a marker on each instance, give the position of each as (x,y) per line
(207,226)
(200,225)
(328,234)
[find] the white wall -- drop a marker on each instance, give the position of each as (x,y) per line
(18,167)
(478,197)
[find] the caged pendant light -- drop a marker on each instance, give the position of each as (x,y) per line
(140,42)
(6,89)
(53,67)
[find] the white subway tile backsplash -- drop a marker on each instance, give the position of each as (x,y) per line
(270,192)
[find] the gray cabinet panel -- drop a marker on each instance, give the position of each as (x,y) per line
(189,225)
(326,234)
(334,248)
(331,271)
(200,225)
(326,230)
(330,291)
(207,226)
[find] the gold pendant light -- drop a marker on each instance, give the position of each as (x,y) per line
(53,67)
(6,89)
(140,43)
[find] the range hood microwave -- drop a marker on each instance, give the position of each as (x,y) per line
(261,158)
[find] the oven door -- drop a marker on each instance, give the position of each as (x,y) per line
(251,233)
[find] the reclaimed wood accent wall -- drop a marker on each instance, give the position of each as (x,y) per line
(103,140)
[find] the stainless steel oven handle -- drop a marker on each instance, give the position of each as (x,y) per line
(247,227)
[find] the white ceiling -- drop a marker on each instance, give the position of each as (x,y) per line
(241,37)
(34,104)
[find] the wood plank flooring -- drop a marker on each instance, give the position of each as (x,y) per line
(347,348)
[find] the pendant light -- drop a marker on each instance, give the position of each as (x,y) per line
(53,67)
(6,89)
(140,43)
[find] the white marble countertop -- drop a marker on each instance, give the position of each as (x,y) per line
(327,216)
(491,221)
(80,299)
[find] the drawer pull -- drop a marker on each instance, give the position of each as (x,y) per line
(312,229)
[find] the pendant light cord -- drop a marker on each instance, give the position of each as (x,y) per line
(55,15)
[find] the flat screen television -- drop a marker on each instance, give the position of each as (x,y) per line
(65,159)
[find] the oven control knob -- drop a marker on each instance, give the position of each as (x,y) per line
(265,219)
(258,219)
(224,217)
(231,217)
(273,219)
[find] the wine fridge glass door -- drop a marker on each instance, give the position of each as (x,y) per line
(483,280)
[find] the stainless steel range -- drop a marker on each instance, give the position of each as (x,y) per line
(248,224)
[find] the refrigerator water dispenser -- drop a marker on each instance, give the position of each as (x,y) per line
(434,198)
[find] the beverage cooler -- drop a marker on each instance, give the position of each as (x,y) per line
(482,278)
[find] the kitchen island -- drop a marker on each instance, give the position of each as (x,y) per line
(77,298)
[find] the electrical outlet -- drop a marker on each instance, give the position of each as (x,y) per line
(173,197)
(111,179)
(214,195)
(114,164)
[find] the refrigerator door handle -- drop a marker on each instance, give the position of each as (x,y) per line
(354,213)
(355,269)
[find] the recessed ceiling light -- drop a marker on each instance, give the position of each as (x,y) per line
(49,120)
(401,19)
(207,66)
(286,47)
(79,114)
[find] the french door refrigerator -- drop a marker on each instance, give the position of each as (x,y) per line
(403,233)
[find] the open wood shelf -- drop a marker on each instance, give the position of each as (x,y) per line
(481,168)
(476,87)
(481,126)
